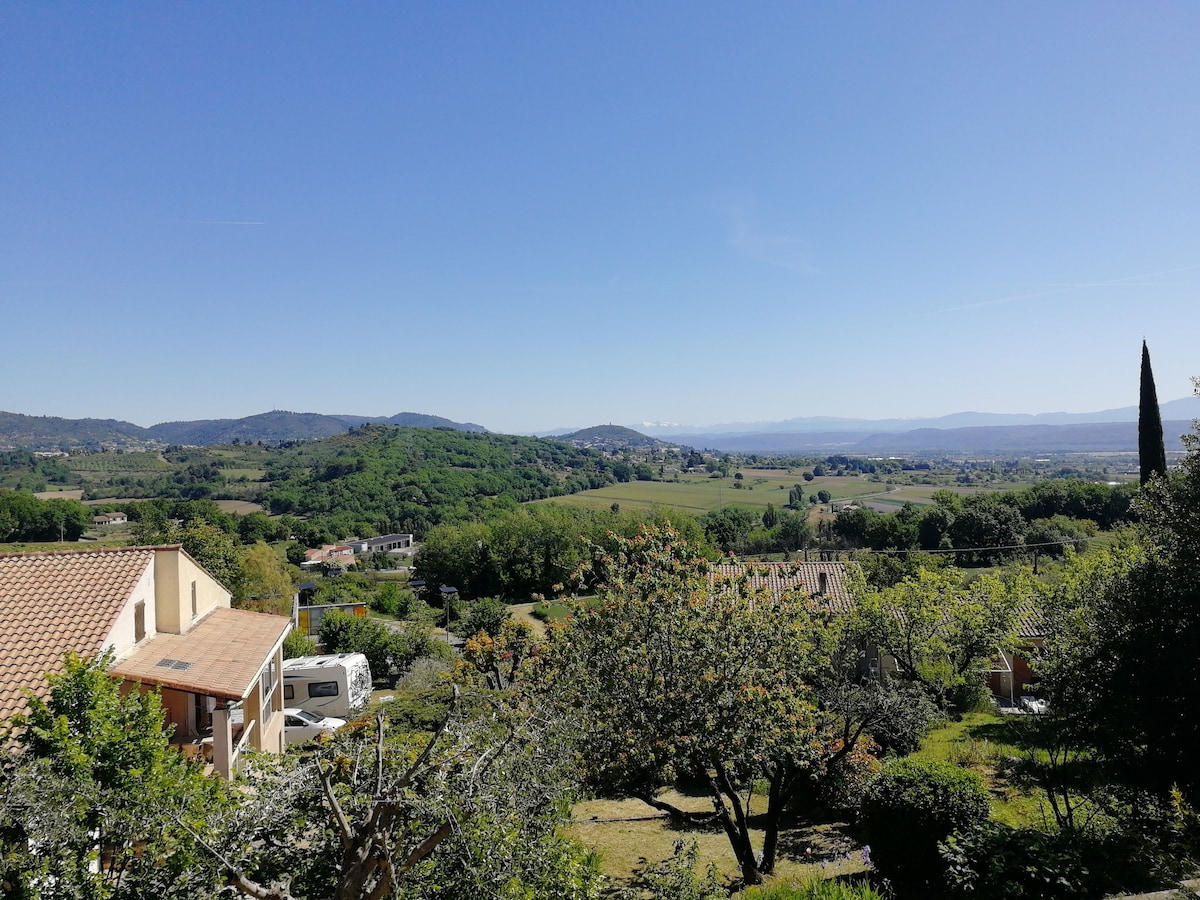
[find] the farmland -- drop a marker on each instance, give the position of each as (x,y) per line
(699,494)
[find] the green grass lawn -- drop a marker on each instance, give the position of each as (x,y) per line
(980,741)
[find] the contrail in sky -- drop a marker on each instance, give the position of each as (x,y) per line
(1068,288)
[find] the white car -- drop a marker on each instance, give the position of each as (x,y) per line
(299,725)
(1034,704)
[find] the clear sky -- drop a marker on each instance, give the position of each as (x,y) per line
(536,215)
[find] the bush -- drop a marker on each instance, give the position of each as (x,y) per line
(910,808)
(297,644)
(998,862)
(389,652)
(487,615)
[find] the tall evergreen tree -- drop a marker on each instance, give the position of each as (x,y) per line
(1152,454)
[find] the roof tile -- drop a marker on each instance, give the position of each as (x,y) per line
(54,602)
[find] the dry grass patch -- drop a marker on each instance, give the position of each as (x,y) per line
(628,834)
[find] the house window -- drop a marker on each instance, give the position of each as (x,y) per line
(139,620)
(268,681)
(323,689)
(193,599)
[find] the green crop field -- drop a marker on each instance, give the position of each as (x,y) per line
(699,494)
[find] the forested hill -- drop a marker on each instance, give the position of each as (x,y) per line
(376,479)
(279,426)
(19,431)
(612,438)
(23,432)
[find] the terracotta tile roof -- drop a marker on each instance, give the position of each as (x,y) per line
(780,577)
(221,655)
(1030,625)
(54,602)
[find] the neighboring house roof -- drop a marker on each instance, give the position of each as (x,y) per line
(221,655)
(833,588)
(54,602)
(1030,626)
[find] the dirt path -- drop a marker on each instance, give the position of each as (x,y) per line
(524,612)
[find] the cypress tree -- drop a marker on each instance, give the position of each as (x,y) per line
(1152,453)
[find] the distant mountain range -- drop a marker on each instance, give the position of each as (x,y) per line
(51,433)
(1186,408)
(999,440)
(956,434)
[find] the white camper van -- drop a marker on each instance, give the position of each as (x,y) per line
(336,684)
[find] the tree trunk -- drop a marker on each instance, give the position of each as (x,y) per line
(737,829)
(777,799)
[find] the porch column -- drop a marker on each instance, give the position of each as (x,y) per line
(222,741)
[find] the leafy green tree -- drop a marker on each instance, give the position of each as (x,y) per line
(941,629)
(390,651)
(1152,453)
(99,804)
(1122,630)
(770,517)
(264,581)
(795,496)
(486,615)
(24,517)
(296,645)
(673,672)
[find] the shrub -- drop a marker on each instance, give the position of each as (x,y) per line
(389,651)
(297,644)
(814,890)
(487,615)
(912,806)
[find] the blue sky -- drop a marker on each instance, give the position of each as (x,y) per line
(532,215)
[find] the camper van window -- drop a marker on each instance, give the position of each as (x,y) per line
(323,689)
(289,693)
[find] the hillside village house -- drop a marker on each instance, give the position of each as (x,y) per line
(337,554)
(170,625)
(388,543)
(116,518)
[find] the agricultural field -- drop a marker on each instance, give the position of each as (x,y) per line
(699,494)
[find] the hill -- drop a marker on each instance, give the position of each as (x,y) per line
(612,439)
(380,479)
(21,432)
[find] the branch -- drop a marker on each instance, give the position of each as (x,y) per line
(419,761)
(379,754)
(236,878)
(344,830)
(426,847)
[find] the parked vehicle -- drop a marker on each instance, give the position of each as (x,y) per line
(1034,704)
(301,726)
(335,684)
